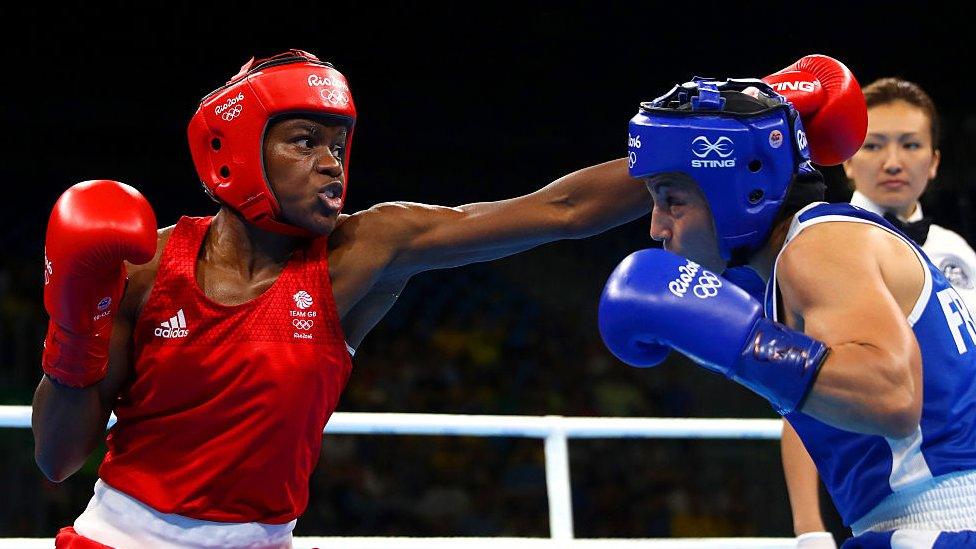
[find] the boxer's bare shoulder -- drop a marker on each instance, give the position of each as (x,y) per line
(870,257)
(361,249)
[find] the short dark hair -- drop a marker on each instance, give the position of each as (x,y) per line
(888,90)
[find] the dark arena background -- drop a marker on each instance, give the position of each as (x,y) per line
(457,104)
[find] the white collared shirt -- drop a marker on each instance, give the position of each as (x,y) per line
(946,250)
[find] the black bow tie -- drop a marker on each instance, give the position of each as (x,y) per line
(918,231)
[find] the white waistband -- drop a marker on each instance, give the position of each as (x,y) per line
(121,521)
(946,503)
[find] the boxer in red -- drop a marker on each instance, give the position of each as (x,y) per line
(222,344)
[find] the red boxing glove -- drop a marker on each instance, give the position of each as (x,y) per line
(830,103)
(94,226)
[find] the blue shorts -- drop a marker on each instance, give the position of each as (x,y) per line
(912,539)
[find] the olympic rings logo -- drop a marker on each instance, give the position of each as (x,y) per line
(336,97)
(302,324)
(232,113)
(708,285)
(631,159)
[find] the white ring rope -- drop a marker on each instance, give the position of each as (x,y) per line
(554,430)
(491,543)
(363,423)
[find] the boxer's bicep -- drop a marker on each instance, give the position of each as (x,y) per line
(835,290)
(840,291)
(870,382)
(412,237)
(480,232)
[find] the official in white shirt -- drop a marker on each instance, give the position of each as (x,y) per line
(898,159)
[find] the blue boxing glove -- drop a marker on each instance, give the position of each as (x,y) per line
(656,300)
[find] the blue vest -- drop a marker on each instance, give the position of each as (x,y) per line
(861,470)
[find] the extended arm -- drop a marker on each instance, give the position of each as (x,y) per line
(577,205)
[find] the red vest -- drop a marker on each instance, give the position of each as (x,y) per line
(223,419)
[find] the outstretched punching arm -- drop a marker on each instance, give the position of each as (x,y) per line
(577,205)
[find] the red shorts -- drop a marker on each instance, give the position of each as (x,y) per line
(67,538)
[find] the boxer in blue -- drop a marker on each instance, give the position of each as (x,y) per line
(861,343)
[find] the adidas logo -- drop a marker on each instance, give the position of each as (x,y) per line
(174,327)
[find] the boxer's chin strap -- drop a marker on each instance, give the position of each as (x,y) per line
(261,219)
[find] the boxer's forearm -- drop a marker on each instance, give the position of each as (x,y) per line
(801,483)
(599,198)
(68,424)
(870,390)
(577,205)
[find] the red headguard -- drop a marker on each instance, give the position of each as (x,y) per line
(227,132)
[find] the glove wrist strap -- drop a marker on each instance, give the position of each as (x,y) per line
(75,360)
(779,364)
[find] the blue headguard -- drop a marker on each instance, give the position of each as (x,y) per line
(742,151)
